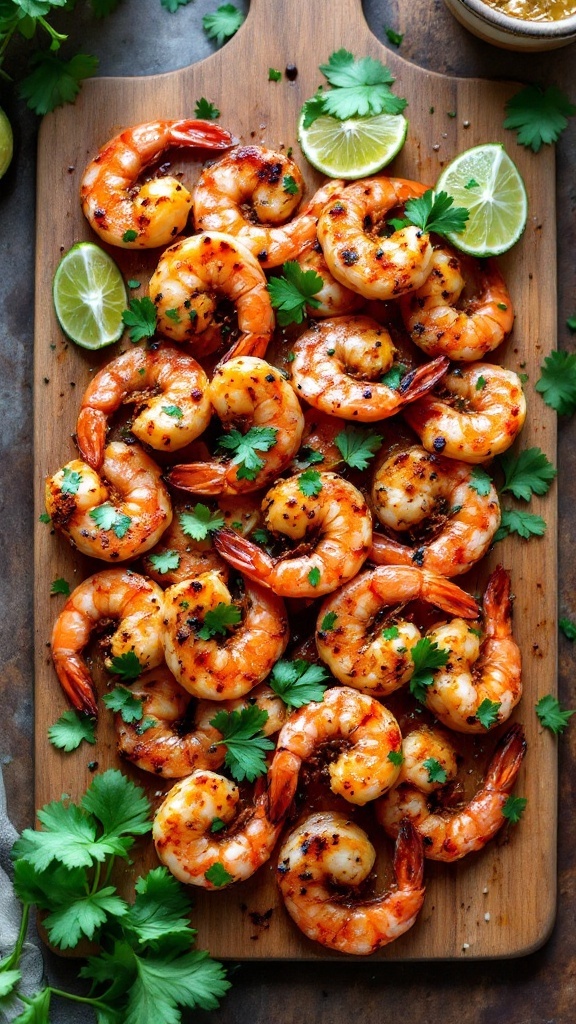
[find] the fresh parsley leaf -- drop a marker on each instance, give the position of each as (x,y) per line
(217,825)
(120,699)
(357,446)
(426,656)
(298,682)
(290,185)
(172,6)
(274,75)
(526,474)
(525,524)
(173,410)
(200,522)
(434,211)
(309,456)
(71,481)
(539,116)
(391,633)
(487,713)
(53,82)
(8,981)
(218,620)
(244,740)
(165,561)
(85,913)
(395,757)
(514,808)
(120,805)
(328,622)
(140,317)
(60,586)
(480,482)
(436,773)
(70,730)
(394,37)
(69,836)
(360,87)
(393,377)
(310,483)
(145,724)
(261,536)
(36,1009)
(159,910)
(313,109)
(223,23)
(217,875)
(126,666)
(291,292)
(568,628)
(206,110)
(551,714)
(44,518)
(314,576)
(107,517)
(557,383)
(245,446)
(472,184)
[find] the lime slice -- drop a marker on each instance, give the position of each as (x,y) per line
(487,182)
(353,148)
(6,143)
(89,296)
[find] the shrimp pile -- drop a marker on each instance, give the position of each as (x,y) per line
(269,575)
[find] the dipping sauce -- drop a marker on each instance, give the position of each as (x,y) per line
(535,10)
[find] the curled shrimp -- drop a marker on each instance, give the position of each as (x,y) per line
(321,865)
(114,514)
(270,186)
(190,850)
(178,737)
(332,527)
(485,671)
(372,653)
(362,771)
(143,216)
(477,415)
(333,298)
(170,389)
(339,365)
(447,518)
(191,279)
(114,594)
(420,748)
(247,394)
(450,834)
(219,648)
(442,323)
(358,255)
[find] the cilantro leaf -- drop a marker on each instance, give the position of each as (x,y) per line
(223,23)
(217,875)
(36,1009)
(290,185)
(218,620)
(310,483)
(83,914)
(539,116)
(140,317)
(432,212)
(217,825)
(118,803)
(261,536)
(514,808)
(160,909)
(68,835)
(244,741)
(557,383)
(126,666)
(328,622)
(60,586)
(360,87)
(571,323)
(426,656)
(53,82)
(487,713)
(71,481)
(122,700)
(107,517)
(291,292)
(205,110)
(274,75)
(393,377)
(395,757)
(44,518)
(436,773)
(357,446)
(165,561)
(200,522)
(298,682)
(309,456)
(568,628)
(314,576)
(71,728)
(245,446)
(394,37)
(551,714)
(525,524)
(480,482)
(312,109)
(172,6)
(8,981)
(527,474)
(173,410)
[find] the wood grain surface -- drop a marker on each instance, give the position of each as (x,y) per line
(489,905)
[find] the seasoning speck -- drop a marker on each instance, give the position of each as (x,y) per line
(436,147)
(487,916)
(291,72)
(465,945)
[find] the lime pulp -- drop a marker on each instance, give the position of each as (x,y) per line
(89,296)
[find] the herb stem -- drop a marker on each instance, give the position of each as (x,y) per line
(57,37)
(15,954)
(80,999)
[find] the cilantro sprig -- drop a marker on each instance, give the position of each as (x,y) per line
(219,620)
(71,729)
(526,474)
(200,522)
(359,88)
(223,23)
(557,383)
(435,212)
(140,318)
(552,715)
(245,446)
(514,808)
(293,290)
(298,682)
(539,116)
(357,446)
(426,656)
(122,700)
(244,740)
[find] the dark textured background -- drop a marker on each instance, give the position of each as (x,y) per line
(143,38)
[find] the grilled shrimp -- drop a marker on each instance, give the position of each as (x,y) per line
(333,298)
(186,844)
(270,185)
(478,414)
(320,867)
(368,652)
(219,648)
(362,771)
(114,514)
(449,834)
(485,671)
(191,278)
(447,516)
(247,394)
(132,601)
(339,365)
(169,388)
(334,522)
(443,324)
(143,216)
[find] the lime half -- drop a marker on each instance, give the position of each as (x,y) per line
(353,148)
(6,143)
(487,182)
(89,296)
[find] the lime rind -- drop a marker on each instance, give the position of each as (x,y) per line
(6,143)
(498,206)
(352,148)
(89,296)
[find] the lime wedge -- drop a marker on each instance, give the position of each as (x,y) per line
(6,143)
(487,182)
(353,148)
(89,296)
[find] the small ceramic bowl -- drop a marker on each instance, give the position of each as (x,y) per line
(512,33)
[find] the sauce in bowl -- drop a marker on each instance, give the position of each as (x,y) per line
(535,10)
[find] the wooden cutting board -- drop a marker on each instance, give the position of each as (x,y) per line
(502,901)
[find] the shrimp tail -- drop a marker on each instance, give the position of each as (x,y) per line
(283,784)
(506,760)
(497,604)
(198,477)
(91,436)
(247,345)
(385,551)
(244,555)
(203,134)
(420,381)
(447,596)
(409,857)
(76,681)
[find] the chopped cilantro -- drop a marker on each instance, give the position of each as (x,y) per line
(394,37)
(71,481)
(426,656)
(472,184)
(357,446)
(310,483)
(245,447)
(107,518)
(433,212)
(244,740)
(290,185)
(480,481)
(568,628)
(140,318)
(551,714)
(122,700)
(219,620)
(206,110)
(217,825)
(274,75)
(487,713)
(314,576)
(396,757)
(200,522)
(436,773)
(173,410)
(292,291)
(298,682)
(514,808)
(60,586)
(126,666)
(328,622)
(393,377)
(217,875)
